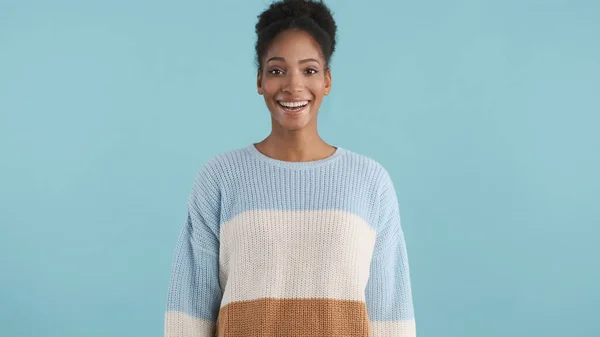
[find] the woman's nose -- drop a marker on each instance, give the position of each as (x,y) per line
(293,83)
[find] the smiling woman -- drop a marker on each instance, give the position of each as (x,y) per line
(292,236)
(294,80)
(295,42)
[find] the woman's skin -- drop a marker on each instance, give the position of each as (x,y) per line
(293,69)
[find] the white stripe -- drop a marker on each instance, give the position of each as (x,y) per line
(394,329)
(179,324)
(295,254)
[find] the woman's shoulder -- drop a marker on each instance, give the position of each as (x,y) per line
(217,165)
(365,164)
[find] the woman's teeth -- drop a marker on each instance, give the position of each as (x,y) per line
(293,106)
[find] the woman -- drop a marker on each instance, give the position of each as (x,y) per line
(291,236)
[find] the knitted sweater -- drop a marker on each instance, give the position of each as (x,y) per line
(278,248)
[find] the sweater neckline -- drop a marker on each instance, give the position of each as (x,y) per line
(295,164)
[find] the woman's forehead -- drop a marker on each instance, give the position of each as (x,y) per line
(294,46)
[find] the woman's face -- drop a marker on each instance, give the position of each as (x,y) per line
(294,79)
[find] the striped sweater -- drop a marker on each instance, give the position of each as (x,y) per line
(278,248)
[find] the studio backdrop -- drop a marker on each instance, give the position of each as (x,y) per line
(485,113)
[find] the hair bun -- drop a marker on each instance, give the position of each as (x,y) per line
(293,9)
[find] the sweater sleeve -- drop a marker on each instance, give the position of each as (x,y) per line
(388,292)
(194,293)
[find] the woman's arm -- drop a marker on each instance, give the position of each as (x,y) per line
(194,294)
(388,292)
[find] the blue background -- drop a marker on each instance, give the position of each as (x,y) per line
(486,114)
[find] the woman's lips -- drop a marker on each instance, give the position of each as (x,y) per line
(293,111)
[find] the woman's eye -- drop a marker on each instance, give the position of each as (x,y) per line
(275,72)
(311,71)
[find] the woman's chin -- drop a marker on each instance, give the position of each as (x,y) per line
(292,124)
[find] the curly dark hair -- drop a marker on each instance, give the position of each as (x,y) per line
(313,17)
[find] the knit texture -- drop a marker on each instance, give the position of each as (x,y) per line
(277,248)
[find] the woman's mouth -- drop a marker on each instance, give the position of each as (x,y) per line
(292,108)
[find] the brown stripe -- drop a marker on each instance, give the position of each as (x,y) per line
(294,317)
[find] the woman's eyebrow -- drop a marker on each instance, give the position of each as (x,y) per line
(309,60)
(279,58)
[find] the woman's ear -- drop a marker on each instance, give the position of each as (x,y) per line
(327,81)
(259,83)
